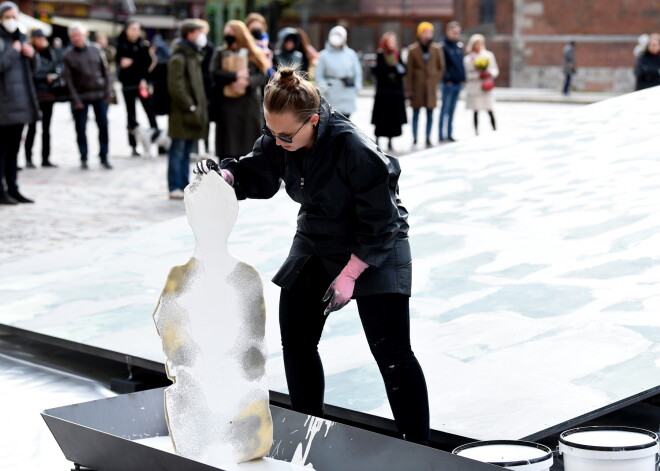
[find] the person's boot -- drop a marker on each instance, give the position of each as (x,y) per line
(48,163)
(6,199)
(105,164)
(135,153)
(28,162)
(18,197)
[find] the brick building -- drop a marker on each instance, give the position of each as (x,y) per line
(528,37)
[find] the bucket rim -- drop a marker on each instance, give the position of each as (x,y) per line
(598,428)
(538,446)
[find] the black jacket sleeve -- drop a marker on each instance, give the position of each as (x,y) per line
(258,174)
(372,177)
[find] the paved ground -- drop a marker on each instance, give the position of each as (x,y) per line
(74,205)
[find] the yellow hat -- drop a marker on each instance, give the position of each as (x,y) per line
(424,25)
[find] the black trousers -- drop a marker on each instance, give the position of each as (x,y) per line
(131,93)
(47,114)
(386,322)
(10,142)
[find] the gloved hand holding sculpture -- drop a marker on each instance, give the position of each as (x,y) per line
(211,319)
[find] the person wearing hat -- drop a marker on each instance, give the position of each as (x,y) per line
(188,119)
(454,78)
(46,78)
(18,99)
(339,72)
(426,65)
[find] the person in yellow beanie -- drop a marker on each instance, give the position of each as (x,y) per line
(426,65)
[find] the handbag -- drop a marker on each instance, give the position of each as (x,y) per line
(349,82)
(234,63)
(487,84)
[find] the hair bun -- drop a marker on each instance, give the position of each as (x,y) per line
(288,77)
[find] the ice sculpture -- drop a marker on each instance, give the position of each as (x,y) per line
(211,320)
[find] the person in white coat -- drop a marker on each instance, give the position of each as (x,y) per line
(339,73)
(480,69)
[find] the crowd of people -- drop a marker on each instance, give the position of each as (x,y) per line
(196,83)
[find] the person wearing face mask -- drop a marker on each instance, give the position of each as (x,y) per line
(351,243)
(188,119)
(288,42)
(339,72)
(134,62)
(18,99)
(258,27)
(239,70)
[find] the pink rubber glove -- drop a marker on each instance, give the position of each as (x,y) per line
(341,289)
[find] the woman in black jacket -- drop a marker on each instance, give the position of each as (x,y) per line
(389,112)
(134,62)
(351,242)
(647,69)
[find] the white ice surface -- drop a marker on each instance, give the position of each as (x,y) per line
(536,279)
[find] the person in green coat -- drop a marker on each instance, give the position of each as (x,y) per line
(188,120)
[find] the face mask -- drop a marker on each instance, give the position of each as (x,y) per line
(201,40)
(257,34)
(336,40)
(230,40)
(10,24)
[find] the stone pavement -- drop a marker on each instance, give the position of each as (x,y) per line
(73,205)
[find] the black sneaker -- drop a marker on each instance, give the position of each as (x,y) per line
(84,166)
(18,197)
(428,142)
(105,164)
(29,164)
(135,153)
(6,199)
(48,164)
(451,139)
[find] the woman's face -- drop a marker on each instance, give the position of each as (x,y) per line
(303,135)
(229,31)
(654,46)
(133,32)
(391,43)
(476,47)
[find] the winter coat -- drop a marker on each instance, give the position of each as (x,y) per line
(186,87)
(18,98)
(423,77)
(475,97)
(47,64)
(647,71)
(333,66)
(142,61)
(238,120)
(569,60)
(349,203)
(86,74)
(454,72)
(389,103)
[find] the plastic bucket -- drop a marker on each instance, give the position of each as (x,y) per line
(510,454)
(608,449)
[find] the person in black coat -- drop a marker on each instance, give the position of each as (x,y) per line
(389,104)
(453,80)
(134,62)
(46,79)
(18,99)
(351,242)
(647,69)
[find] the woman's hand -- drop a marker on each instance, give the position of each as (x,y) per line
(125,62)
(341,289)
(209,165)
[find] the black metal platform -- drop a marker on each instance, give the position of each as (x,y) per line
(100,435)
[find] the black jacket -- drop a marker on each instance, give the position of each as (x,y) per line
(18,99)
(142,60)
(454,72)
(349,203)
(647,71)
(47,65)
(86,74)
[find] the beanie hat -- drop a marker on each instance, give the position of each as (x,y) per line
(188,26)
(4,6)
(423,26)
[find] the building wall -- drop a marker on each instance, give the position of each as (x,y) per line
(528,38)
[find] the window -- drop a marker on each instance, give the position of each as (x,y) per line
(487,12)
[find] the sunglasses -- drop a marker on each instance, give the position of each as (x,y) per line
(288,140)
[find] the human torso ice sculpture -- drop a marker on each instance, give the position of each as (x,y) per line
(211,320)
